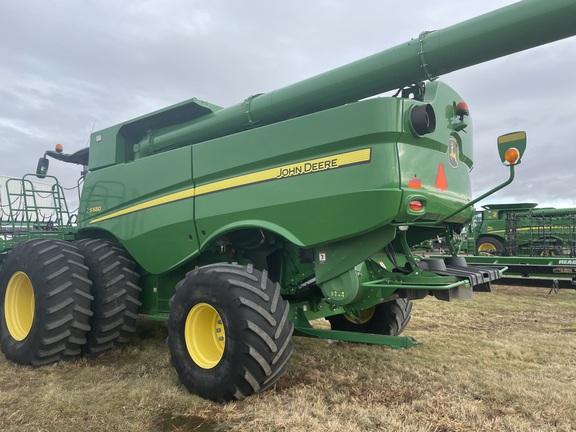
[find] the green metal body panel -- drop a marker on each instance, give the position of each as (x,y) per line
(169,227)
(311,182)
(288,193)
(116,144)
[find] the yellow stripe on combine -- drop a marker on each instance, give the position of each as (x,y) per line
(188,193)
(292,170)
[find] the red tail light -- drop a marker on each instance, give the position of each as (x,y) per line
(416,205)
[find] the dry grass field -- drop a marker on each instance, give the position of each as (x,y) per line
(505,361)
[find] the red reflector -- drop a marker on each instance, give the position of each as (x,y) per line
(441,182)
(416,205)
(415,183)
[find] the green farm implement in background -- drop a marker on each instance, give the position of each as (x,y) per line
(524,230)
(538,245)
(242,225)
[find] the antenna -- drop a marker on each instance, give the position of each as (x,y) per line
(91,130)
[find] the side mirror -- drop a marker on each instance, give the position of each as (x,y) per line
(511,147)
(42,168)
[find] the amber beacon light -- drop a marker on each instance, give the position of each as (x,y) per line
(512,156)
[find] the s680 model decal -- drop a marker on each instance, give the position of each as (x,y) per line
(96,209)
(332,162)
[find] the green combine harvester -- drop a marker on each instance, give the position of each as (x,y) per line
(537,245)
(240,226)
(522,229)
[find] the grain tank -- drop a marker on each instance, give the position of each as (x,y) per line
(241,225)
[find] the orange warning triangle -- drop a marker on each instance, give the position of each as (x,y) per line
(441,182)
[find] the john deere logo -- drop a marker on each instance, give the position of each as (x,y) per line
(453,152)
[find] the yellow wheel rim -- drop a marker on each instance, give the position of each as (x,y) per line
(205,336)
(486,247)
(365,316)
(19,306)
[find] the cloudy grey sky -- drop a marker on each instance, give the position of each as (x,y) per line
(68,67)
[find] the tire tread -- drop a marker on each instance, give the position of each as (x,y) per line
(62,297)
(261,328)
(116,295)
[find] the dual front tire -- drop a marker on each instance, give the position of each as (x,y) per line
(45,302)
(59,300)
(116,295)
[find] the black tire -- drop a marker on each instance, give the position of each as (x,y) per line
(244,308)
(44,302)
(490,245)
(389,318)
(116,295)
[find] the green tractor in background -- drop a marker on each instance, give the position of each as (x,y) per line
(241,225)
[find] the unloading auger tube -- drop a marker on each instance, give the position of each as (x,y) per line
(511,29)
